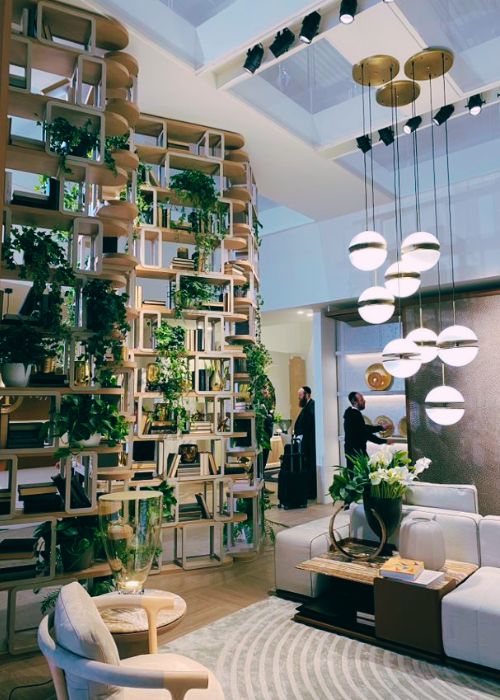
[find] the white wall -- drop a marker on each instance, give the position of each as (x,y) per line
(279,375)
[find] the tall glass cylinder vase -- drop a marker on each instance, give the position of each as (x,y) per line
(130,523)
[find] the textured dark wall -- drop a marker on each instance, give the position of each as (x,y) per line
(469,451)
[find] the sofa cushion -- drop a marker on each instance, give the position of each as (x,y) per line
(460,530)
(295,545)
(471,619)
(462,497)
(489,540)
(78,627)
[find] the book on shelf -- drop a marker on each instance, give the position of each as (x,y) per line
(78,496)
(28,569)
(36,489)
(401,569)
(49,503)
(145,475)
(154,302)
(200,499)
(363,618)
(17,548)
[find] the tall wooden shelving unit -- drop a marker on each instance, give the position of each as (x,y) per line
(97,80)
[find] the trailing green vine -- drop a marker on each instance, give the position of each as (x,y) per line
(67,139)
(173,376)
(106,319)
(193,292)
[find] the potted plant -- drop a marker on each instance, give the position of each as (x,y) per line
(106,314)
(380,481)
(193,293)
(85,420)
(21,347)
(67,139)
(114,144)
(76,539)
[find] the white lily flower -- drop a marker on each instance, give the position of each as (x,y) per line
(421,465)
(375,478)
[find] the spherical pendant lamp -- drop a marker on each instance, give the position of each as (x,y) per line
(457,346)
(376,305)
(368,250)
(425,340)
(401,358)
(401,279)
(420,250)
(444,405)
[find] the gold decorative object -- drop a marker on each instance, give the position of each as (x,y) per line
(375,70)
(216,380)
(49,365)
(188,453)
(82,372)
(398,93)
(361,554)
(429,63)
(152,373)
(403,426)
(378,378)
(385,420)
(183,253)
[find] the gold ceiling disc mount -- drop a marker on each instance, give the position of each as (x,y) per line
(429,63)
(398,93)
(375,70)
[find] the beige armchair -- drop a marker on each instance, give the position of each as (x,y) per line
(84,661)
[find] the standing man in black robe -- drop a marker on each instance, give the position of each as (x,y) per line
(356,432)
(305,426)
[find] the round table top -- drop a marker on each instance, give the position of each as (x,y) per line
(127,620)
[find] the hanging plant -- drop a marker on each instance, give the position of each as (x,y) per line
(67,139)
(256,231)
(193,292)
(114,143)
(173,376)
(106,318)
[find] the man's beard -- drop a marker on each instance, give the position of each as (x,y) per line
(302,402)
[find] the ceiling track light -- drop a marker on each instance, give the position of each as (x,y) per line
(475,104)
(386,135)
(310,27)
(282,42)
(443,115)
(254,58)
(364,143)
(347,11)
(412,125)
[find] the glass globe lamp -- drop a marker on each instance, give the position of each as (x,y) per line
(457,345)
(444,405)
(376,305)
(425,340)
(401,358)
(402,279)
(368,250)
(420,250)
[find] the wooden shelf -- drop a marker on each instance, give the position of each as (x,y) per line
(46,218)
(117,75)
(240,339)
(126,159)
(118,209)
(170,273)
(111,35)
(128,110)
(120,261)
(57,390)
(124,59)
(152,155)
(116,124)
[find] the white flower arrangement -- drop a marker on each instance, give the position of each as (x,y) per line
(391,471)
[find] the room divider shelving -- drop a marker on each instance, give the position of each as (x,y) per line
(124,225)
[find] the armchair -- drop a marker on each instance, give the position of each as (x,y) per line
(84,662)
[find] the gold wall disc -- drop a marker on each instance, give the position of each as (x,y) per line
(398,93)
(431,62)
(375,70)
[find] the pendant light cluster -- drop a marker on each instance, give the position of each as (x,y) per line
(420,250)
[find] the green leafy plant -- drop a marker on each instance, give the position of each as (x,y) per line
(67,139)
(193,292)
(173,370)
(74,538)
(95,587)
(83,415)
(114,143)
(256,231)
(261,392)
(169,499)
(106,319)
(24,344)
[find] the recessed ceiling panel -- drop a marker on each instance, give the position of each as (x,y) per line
(197,12)
(470,28)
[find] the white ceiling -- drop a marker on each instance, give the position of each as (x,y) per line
(299,111)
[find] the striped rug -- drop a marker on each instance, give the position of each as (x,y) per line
(259,653)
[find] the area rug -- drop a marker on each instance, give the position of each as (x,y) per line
(259,653)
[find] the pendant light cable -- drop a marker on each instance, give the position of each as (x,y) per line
(394,115)
(433,148)
(450,221)
(364,152)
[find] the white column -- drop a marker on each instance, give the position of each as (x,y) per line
(324,385)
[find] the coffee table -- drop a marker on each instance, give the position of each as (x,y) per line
(397,615)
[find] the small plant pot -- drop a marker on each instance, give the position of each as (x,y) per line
(77,562)
(92,441)
(15,374)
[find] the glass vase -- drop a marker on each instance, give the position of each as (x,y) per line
(130,523)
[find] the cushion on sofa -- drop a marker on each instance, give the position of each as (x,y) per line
(295,545)
(471,619)
(79,628)
(462,497)
(489,540)
(460,530)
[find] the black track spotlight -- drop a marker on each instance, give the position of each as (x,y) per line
(254,58)
(412,125)
(282,42)
(443,114)
(310,27)
(386,135)
(475,105)
(364,143)
(347,11)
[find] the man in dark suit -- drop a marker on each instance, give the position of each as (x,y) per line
(305,426)
(356,432)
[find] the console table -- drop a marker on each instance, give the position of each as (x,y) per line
(404,617)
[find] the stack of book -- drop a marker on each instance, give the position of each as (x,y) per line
(195,340)
(154,302)
(182,263)
(410,571)
(17,558)
(194,511)
(200,427)
(25,434)
(364,618)
(40,498)
(240,406)
(4,501)
(204,466)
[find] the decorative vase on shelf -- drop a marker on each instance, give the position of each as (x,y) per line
(15,374)
(421,538)
(130,523)
(216,381)
(389,511)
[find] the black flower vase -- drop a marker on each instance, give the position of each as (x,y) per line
(388,509)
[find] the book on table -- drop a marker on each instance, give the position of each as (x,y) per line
(428,577)
(401,569)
